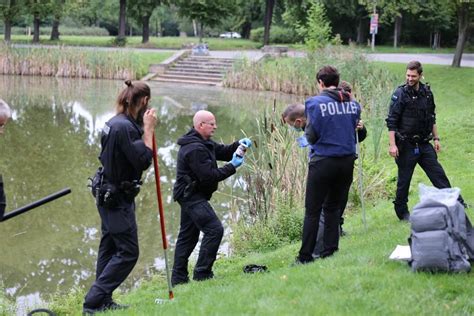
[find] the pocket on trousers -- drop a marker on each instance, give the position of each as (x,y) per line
(120,219)
(202,214)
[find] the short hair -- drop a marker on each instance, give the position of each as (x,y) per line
(129,98)
(293,112)
(415,65)
(328,75)
(5,110)
(346,86)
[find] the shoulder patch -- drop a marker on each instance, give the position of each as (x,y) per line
(394,97)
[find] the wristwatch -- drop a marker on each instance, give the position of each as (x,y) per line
(436,138)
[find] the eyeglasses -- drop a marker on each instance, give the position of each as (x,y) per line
(209,123)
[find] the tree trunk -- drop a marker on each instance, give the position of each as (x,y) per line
(435,40)
(360,31)
(8,30)
(246,29)
(201,33)
(396,31)
(122,15)
(55,29)
(270,4)
(146,29)
(36,28)
(195,28)
(463,25)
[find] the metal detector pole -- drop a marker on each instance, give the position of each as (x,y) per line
(361,192)
(35,204)
(162,217)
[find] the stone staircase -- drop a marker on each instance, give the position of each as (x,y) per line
(196,69)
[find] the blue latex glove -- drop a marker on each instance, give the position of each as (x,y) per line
(246,141)
(237,161)
(302,141)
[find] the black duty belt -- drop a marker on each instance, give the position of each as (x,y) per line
(415,139)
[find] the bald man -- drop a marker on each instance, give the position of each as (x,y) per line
(197,177)
(5,114)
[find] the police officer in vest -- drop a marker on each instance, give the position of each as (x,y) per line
(411,123)
(332,117)
(127,142)
(5,114)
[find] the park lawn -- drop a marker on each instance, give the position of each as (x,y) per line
(135,41)
(359,279)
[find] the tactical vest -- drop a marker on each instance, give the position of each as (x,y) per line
(441,235)
(418,112)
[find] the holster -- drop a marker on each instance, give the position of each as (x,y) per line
(186,190)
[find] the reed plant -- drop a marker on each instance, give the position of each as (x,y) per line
(275,178)
(68,62)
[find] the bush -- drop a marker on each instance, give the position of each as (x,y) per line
(284,226)
(278,35)
(119,41)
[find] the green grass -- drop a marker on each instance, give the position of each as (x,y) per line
(359,279)
(135,41)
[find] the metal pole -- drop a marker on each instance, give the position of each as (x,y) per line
(361,192)
(162,217)
(35,204)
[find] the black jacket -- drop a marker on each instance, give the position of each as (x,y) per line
(412,112)
(197,162)
(124,155)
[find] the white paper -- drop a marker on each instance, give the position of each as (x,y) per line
(401,253)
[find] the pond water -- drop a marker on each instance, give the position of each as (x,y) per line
(52,143)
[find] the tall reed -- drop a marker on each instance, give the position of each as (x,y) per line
(68,62)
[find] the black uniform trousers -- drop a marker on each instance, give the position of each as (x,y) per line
(328,183)
(406,162)
(118,252)
(196,216)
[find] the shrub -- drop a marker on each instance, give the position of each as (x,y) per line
(119,41)
(278,35)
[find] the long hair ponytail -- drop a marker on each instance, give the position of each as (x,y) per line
(129,98)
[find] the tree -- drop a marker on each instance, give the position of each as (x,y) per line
(207,12)
(391,11)
(58,9)
(267,22)
(122,17)
(142,11)
(439,15)
(464,13)
(317,30)
(39,9)
(9,11)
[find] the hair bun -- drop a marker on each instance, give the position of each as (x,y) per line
(128,83)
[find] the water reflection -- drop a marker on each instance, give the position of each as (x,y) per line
(52,142)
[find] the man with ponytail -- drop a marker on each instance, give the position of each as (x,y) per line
(127,142)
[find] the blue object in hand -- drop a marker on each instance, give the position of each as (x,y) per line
(237,161)
(246,141)
(302,141)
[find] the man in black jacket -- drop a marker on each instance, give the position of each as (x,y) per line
(5,114)
(197,177)
(411,124)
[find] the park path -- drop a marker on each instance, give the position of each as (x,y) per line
(424,58)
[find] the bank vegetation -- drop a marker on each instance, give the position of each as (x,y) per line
(73,63)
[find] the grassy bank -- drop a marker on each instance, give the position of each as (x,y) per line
(359,279)
(214,43)
(135,41)
(74,63)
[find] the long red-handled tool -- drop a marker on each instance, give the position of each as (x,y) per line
(162,217)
